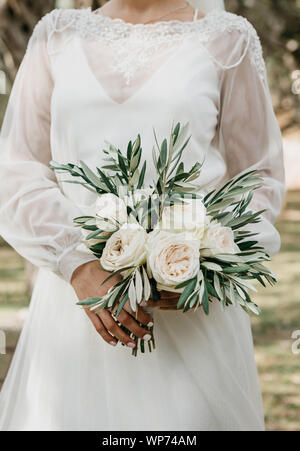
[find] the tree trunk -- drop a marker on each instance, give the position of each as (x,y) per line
(94,4)
(17,20)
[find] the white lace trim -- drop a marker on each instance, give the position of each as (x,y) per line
(134,44)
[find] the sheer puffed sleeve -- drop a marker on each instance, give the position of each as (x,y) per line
(35,217)
(249,135)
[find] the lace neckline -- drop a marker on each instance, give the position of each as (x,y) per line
(118,20)
(151,26)
(133,45)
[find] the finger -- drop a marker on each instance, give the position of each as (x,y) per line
(144,317)
(173,297)
(131,324)
(100,328)
(141,316)
(152,303)
(162,303)
(115,330)
(149,303)
(169,295)
(168,303)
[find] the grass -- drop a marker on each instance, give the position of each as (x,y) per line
(279,368)
(13,296)
(13,287)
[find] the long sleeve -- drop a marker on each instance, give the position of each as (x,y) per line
(35,217)
(249,135)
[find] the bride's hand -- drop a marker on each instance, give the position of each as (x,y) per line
(86,281)
(167,301)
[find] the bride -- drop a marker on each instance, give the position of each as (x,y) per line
(90,76)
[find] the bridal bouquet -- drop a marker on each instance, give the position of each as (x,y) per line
(170,235)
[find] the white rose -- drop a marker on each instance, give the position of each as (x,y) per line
(172,258)
(189,216)
(109,206)
(218,240)
(126,247)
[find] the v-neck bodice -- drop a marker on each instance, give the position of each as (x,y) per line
(169,92)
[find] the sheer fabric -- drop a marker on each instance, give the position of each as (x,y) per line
(238,129)
(207,5)
(36,218)
(86,79)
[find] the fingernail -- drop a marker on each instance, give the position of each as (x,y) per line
(131,345)
(147,337)
(113,343)
(150,324)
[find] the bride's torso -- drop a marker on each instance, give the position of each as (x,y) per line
(114,80)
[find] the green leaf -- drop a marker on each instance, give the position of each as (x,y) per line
(162,160)
(113,296)
(154,157)
(236,269)
(187,292)
(90,174)
(134,179)
(91,228)
(122,304)
(129,150)
(117,272)
(241,292)
(147,286)
(106,181)
(142,176)
(232,295)
(82,219)
(95,234)
(132,296)
(182,136)
(192,301)
(183,284)
(218,287)
(231,258)
(138,286)
(137,144)
(176,131)
(89,301)
(205,300)
(254,308)
(135,161)
(244,283)
(210,289)
(211,266)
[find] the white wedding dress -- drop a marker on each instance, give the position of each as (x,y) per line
(85,79)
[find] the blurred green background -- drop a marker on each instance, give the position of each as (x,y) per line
(278,25)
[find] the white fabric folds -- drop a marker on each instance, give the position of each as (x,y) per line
(86,79)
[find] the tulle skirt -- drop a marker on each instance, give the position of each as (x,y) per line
(201,377)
